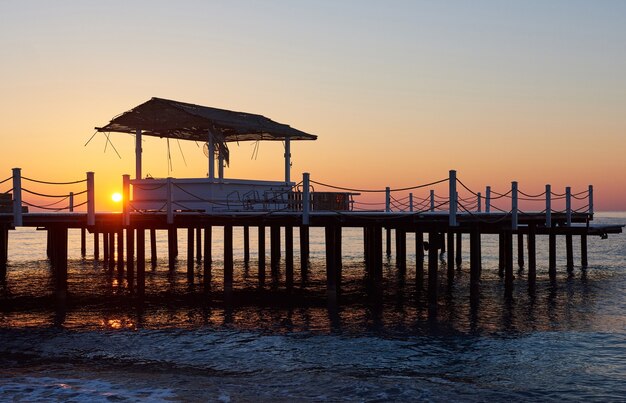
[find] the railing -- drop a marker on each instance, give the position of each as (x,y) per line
(59,203)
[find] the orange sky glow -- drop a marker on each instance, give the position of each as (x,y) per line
(398,96)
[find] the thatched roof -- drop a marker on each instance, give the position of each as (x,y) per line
(172,119)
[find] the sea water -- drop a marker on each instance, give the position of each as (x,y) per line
(565,341)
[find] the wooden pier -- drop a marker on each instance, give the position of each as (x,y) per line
(200,205)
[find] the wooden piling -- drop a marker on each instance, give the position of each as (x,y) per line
(520,250)
(261,246)
(532,257)
(96,245)
(141,262)
(332,286)
(508,270)
(419,260)
(228,259)
(130,257)
(83,242)
(120,251)
(501,253)
(304,250)
(400,250)
(246,244)
(388,241)
(172,246)
(153,248)
(60,261)
(459,250)
(208,256)
(111,240)
(552,255)
(450,258)
(274,249)
(289,257)
(190,252)
(475,263)
(198,244)
(433,267)
(105,248)
(583,251)
(4,247)
(569,251)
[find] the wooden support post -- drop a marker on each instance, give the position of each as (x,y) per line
(475,262)
(153,248)
(261,242)
(583,251)
(60,264)
(520,250)
(332,286)
(377,233)
(141,262)
(459,250)
(501,253)
(198,244)
(388,241)
(208,256)
(532,258)
(120,251)
(338,254)
(111,250)
(49,244)
(105,247)
(450,260)
(304,250)
(552,255)
(190,251)
(96,245)
(83,242)
(4,243)
(433,267)
(172,247)
(289,256)
(569,250)
(508,273)
(419,260)
(401,250)
(274,249)
(228,259)
(130,257)
(246,244)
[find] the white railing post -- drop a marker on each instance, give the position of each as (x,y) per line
(387,199)
(170,207)
(453,197)
(411,202)
(488,200)
(479,206)
(568,205)
(126,199)
(91,199)
(548,206)
(138,154)
(514,209)
(71,202)
(17,197)
(590,199)
(306,198)
(432,200)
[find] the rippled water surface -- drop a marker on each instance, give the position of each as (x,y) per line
(565,341)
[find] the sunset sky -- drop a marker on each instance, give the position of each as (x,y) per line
(398,92)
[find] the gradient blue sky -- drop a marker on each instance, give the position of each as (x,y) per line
(398,92)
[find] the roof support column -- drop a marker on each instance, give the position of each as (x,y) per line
(220,171)
(211,156)
(287,159)
(138,154)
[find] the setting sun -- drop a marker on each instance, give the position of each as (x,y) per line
(116,197)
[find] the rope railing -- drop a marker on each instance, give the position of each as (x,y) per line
(379,190)
(54,183)
(6,180)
